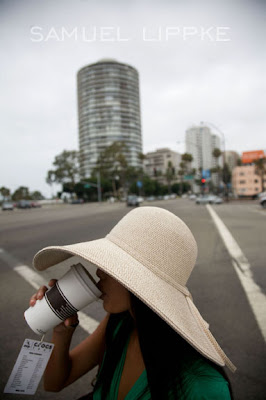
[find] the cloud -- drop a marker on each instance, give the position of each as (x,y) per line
(183,80)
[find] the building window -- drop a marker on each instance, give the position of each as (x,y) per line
(242,182)
(241,173)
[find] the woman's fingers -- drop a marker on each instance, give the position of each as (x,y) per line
(68,325)
(38,296)
(72,321)
(41,291)
(52,282)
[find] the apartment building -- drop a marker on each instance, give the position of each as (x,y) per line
(156,162)
(109,111)
(231,158)
(200,142)
(245,182)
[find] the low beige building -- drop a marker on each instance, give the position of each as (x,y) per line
(156,162)
(245,182)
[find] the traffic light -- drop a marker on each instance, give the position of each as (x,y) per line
(203,180)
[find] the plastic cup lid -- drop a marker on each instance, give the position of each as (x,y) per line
(86,279)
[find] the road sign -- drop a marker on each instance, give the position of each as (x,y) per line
(139,184)
(188,177)
(206,173)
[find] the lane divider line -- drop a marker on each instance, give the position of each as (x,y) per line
(86,322)
(254,294)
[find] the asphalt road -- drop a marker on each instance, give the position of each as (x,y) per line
(214,283)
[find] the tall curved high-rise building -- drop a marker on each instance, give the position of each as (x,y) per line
(109,111)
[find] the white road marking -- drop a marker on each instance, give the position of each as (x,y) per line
(255,296)
(32,277)
(87,323)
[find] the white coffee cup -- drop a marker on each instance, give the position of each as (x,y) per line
(74,291)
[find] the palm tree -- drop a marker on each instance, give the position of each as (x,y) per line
(185,165)
(260,169)
(5,192)
(170,175)
(216,154)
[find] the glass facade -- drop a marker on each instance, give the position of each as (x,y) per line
(109,111)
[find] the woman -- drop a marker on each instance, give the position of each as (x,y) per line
(153,343)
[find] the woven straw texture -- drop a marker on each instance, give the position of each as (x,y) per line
(152,253)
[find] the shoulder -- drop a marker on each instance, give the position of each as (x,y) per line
(115,326)
(202,381)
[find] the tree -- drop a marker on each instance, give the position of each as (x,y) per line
(67,169)
(187,158)
(22,193)
(142,157)
(216,153)
(170,175)
(36,195)
(260,169)
(5,192)
(88,192)
(181,173)
(217,169)
(227,175)
(185,169)
(112,164)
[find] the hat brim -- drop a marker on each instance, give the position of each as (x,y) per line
(173,306)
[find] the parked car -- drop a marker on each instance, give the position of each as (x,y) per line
(263,201)
(35,204)
(24,204)
(150,198)
(7,206)
(77,201)
(209,199)
(192,197)
(132,200)
(202,200)
(140,199)
(218,200)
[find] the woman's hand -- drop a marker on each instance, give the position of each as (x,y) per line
(69,324)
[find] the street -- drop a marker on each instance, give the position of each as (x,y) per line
(234,307)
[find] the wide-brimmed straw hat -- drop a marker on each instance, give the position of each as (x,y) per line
(152,253)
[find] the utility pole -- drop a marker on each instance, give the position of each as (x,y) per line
(99,189)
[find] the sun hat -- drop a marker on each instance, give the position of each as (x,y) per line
(152,253)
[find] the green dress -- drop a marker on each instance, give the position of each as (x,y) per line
(200,381)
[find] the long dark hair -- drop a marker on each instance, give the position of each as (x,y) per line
(163,351)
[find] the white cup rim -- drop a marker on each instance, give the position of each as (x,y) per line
(85,279)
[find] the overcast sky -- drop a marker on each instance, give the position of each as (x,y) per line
(197,60)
